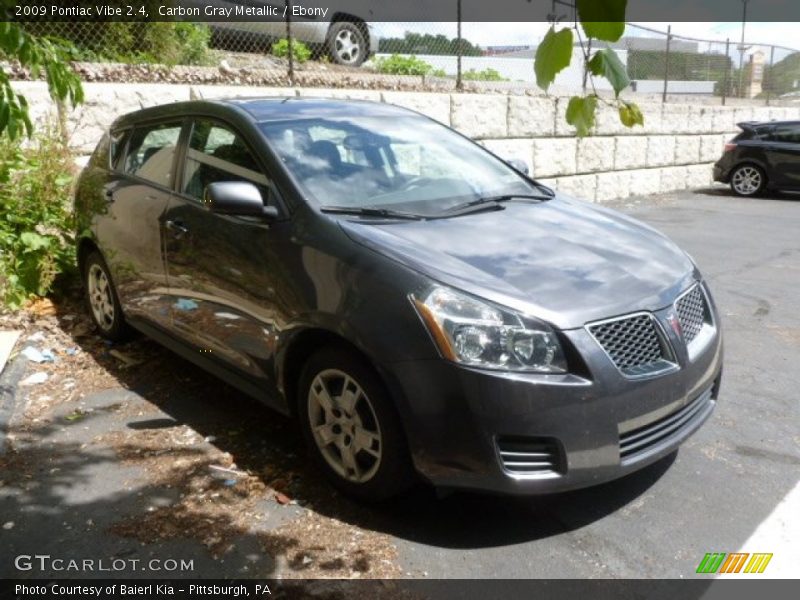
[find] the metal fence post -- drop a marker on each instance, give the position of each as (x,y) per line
(666,64)
(726,81)
(459,48)
(289,40)
(768,74)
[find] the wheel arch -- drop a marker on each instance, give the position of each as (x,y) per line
(751,162)
(299,349)
(86,245)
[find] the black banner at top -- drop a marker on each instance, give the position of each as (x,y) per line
(387,10)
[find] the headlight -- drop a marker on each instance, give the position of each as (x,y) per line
(478,334)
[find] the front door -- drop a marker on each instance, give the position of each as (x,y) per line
(221,268)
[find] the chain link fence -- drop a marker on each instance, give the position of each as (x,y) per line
(433,55)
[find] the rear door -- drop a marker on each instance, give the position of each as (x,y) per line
(129,230)
(783,155)
(221,268)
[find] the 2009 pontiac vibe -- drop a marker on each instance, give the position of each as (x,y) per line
(423,308)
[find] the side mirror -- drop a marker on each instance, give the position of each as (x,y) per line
(518,165)
(237,198)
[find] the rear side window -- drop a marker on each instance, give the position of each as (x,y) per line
(789,134)
(117,145)
(217,153)
(151,151)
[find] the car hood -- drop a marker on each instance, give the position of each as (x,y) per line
(564,261)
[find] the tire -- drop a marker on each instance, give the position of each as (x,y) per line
(347,44)
(748,180)
(102,299)
(357,440)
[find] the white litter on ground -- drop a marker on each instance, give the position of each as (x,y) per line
(7,341)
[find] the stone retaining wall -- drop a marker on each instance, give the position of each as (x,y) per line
(674,150)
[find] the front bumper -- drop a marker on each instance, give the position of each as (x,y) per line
(457,418)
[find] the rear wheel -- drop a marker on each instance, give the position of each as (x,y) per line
(748,180)
(347,44)
(351,427)
(102,299)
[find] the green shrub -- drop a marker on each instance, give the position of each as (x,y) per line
(193,39)
(179,43)
(402,65)
(300,51)
(485,75)
(36,219)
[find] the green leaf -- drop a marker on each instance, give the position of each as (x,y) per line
(606,63)
(580,113)
(630,114)
(602,19)
(34,241)
(552,56)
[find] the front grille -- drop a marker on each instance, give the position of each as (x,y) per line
(633,343)
(530,456)
(692,312)
(639,441)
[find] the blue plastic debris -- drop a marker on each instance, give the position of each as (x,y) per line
(38,356)
(185,304)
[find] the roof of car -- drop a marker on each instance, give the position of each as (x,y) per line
(278,109)
(270,109)
(757,124)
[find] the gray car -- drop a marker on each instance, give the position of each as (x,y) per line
(424,310)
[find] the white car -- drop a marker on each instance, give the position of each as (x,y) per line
(347,38)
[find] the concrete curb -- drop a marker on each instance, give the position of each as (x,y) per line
(9,395)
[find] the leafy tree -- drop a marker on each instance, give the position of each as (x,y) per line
(784,75)
(602,20)
(426,43)
(686,66)
(39,55)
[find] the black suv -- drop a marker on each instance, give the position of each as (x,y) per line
(763,156)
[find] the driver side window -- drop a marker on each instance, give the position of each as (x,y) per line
(216,153)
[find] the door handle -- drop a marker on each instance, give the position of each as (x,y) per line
(177,228)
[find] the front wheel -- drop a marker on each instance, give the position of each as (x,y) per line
(748,180)
(351,427)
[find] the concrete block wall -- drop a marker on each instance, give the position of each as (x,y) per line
(674,149)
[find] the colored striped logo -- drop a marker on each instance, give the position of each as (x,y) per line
(735,562)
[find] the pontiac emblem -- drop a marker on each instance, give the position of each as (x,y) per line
(673,321)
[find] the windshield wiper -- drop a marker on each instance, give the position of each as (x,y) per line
(371,211)
(495,200)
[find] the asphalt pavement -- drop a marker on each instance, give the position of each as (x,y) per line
(712,496)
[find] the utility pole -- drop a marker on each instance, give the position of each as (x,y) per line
(742,49)
(666,64)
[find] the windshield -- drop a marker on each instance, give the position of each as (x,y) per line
(407,163)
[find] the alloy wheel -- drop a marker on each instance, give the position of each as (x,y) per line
(101,299)
(747,181)
(348,46)
(344,425)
